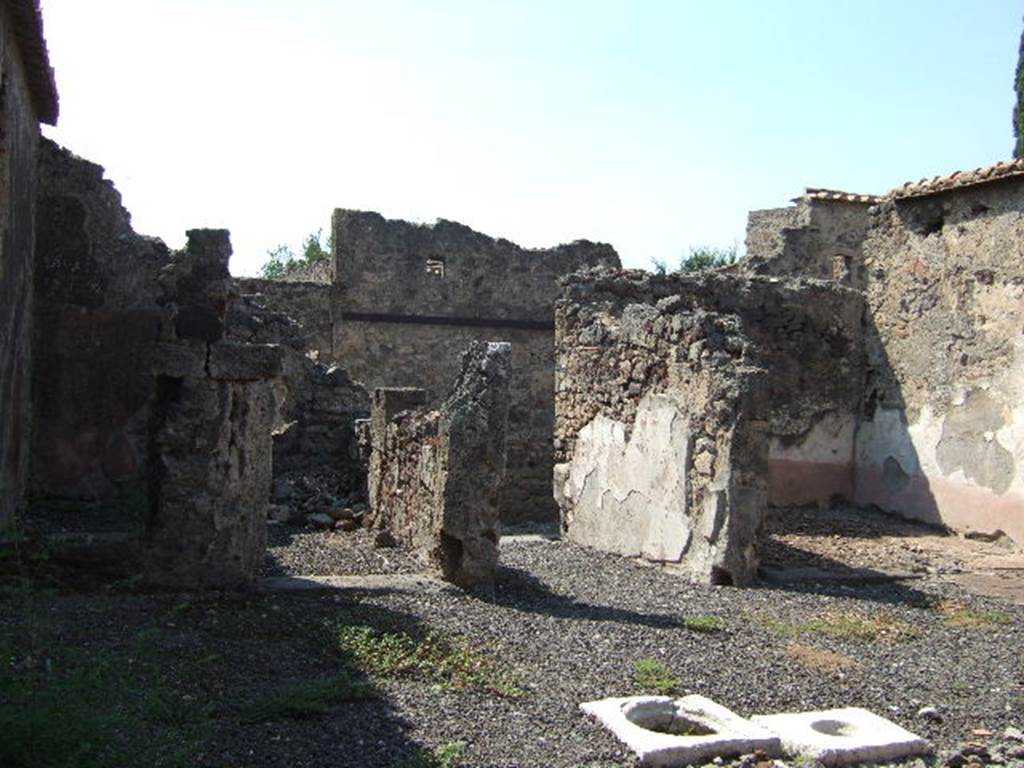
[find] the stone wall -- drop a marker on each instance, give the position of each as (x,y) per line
(938,434)
(19,134)
(317,405)
(683,403)
(435,476)
(97,315)
(208,431)
(307,304)
(410,298)
(942,432)
(820,236)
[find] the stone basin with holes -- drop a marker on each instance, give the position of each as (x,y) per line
(836,737)
(673,732)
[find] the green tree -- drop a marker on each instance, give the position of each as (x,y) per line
(282,261)
(313,251)
(1018,108)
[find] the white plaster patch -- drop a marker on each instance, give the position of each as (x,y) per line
(630,497)
(829,440)
(837,737)
(666,732)
(886,435)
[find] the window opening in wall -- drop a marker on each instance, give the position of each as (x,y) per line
(435,267)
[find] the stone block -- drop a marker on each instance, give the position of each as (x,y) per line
(233,361)
(210,484)
(687,731)
(845,736)
(178,359)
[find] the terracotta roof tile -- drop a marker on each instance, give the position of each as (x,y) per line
(958,179)
(812,193)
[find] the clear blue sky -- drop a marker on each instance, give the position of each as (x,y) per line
(650,125)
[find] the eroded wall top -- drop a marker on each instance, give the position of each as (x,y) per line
(448,270)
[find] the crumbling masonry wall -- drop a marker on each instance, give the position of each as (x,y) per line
(97,316)
(306,304)
(942,432)
(820,236)
(410,298)
(677,398)
(209,431)
(19,134)
(138,386)
(317,405)
(435,476)
(939,434)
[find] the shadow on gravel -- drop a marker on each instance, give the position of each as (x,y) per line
(848,522)
(120,677)
(830,577)
(522,591)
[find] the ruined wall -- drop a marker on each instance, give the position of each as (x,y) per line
(19,132)
(410,298)
(208,430)
(683,402)
(96,317)
(942,432)
(435,476)
(306,303)
(820,236)
(317,405)
(661,426)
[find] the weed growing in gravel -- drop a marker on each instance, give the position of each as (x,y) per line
(446,755)
(307,700)
(433,656)
(705,624)
(654,677)
(819,659)
(75,712)
(852,625)
(962,617)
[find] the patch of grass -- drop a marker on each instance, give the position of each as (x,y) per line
(962,617)
(44,723)
(75,715)
(705,624)
(307,700)
(445,755)
(853,625)
(654,677)
(434,656)
(819,659)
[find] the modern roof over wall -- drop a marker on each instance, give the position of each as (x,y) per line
(959,179)
(812,193)
(27,28)
(956,180)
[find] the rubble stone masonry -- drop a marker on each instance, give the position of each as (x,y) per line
(435,476)
(682,402)
(410,298)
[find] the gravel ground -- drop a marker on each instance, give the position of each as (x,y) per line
(570,624)
(309,552)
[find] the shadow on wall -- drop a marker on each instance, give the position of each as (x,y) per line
(887,470)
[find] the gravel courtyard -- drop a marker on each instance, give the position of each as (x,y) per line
(567,625)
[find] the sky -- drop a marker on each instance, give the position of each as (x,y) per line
(654,125)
